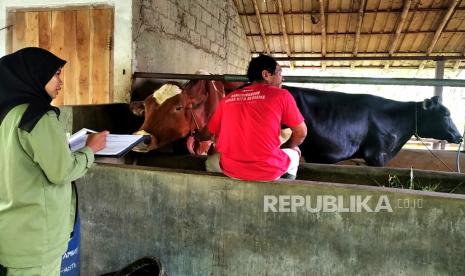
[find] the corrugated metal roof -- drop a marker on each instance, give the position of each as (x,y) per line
(348,29)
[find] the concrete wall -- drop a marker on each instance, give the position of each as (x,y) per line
(200,224)
(179,36)
(122,34)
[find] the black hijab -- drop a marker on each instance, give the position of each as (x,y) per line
(23,76)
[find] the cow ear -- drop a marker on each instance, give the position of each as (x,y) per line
(137,108)
(427,103)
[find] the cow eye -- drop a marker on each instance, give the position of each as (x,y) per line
(178,107)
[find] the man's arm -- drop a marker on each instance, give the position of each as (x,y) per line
(299,132)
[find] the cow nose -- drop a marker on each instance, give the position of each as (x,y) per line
(147,139)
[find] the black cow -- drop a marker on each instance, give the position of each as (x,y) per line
(343,126)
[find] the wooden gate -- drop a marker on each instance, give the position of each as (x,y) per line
(82,37)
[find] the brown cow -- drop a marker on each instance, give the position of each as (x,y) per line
(179,115)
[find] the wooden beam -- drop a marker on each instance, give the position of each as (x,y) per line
(348,26)
(328,13)
(303,26)
(400,25)
(377,57)
(359,26)
(283,27)
(451,32)
(361,9)
(260,24)
(457,63)
(323,31)
(438,33)
(343,66)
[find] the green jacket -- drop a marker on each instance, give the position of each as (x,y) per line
(36,198)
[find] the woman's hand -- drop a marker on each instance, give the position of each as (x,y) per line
(97,141)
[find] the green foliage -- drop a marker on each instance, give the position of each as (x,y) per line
(395,182)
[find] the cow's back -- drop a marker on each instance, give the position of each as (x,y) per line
(338,123)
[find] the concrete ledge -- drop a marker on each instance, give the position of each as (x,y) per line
(371,176)
(201,224)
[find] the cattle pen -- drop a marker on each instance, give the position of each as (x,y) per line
(199,222)
(426,160)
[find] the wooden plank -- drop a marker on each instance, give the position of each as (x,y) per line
(19,31)
(384,43)
(100,55)
(316,44)
(277,44)
(69,49)
(9,32)
(307,44)
(456,42)
(444,42)
(260,24)
(400,26)
(258,44)
(250,42)
(287,45)
(83,56)
(273,24)
(45,30)
(111,56)
(372,43)
(323,31)
(245,24)
(339,43)
(349,44)
(32,29)
(360,16)
(441,26)
(71,35)
(58,37)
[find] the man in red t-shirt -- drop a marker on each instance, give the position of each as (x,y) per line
(247,124)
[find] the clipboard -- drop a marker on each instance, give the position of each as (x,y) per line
(117,144)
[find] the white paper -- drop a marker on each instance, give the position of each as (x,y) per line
(78,140)
(116,143)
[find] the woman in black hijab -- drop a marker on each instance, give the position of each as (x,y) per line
(23,77)
(36,165)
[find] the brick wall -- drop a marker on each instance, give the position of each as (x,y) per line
(181,36)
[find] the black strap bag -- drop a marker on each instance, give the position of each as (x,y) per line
(142,267)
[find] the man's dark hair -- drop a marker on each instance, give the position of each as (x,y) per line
(258,64)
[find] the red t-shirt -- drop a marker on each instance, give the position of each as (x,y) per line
(247,124)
